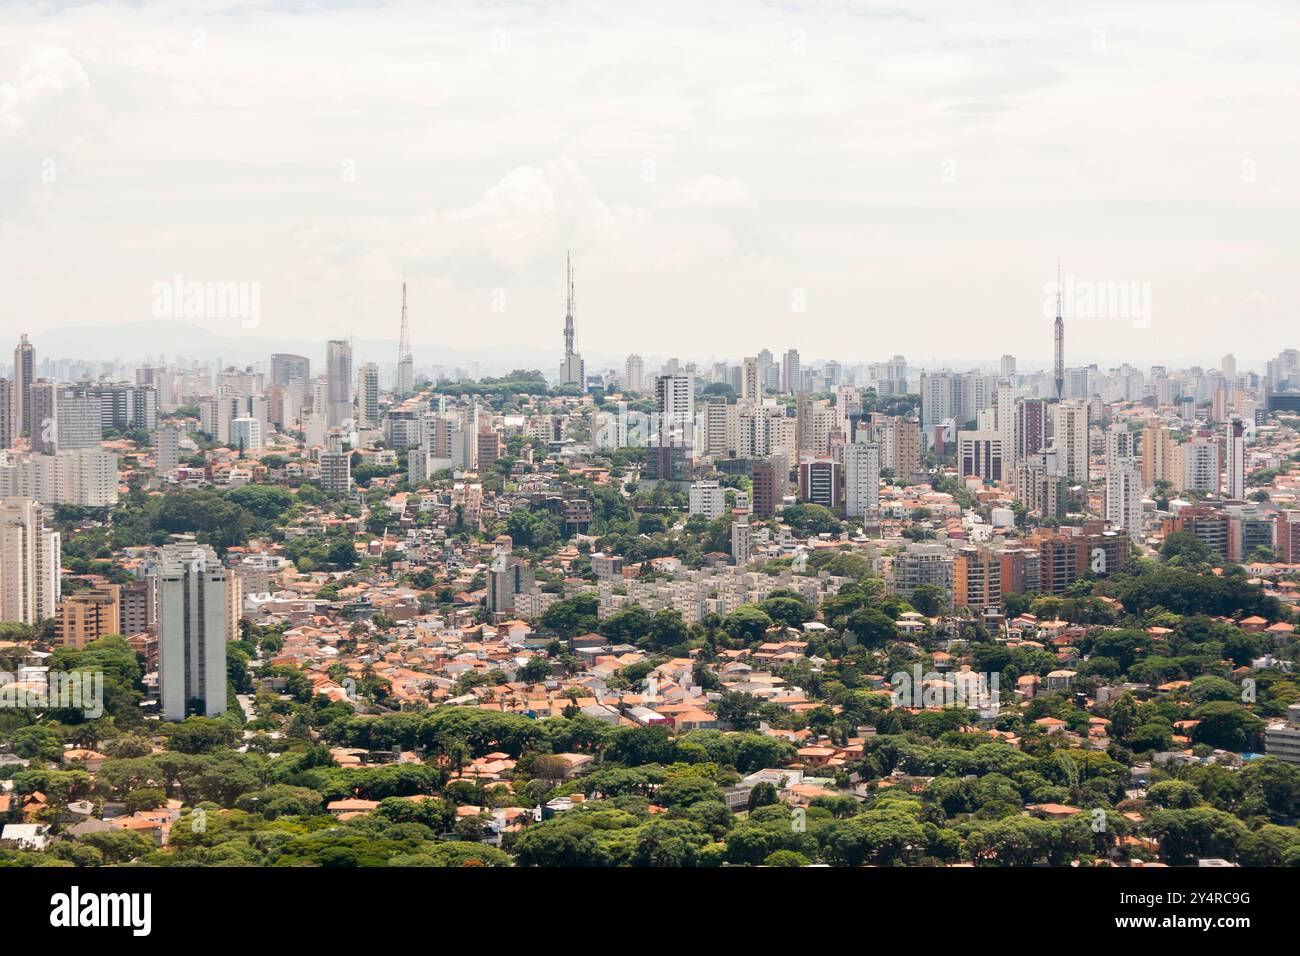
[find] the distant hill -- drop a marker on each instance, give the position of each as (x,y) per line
(136,341)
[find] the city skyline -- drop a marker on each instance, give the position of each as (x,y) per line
(490,361)
(485,436)
(234,301)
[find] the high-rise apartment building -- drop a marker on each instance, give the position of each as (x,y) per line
(1120,443)
(283,407)
(335,467)
(1040,486)
(1123,497)
(89,614)
(791,373)
(137,608)
(246,436)
(122,405)
(1287,539)
(1211,525)
(42,408)
(707,498)
(216,414)
(922,564)
(803,424)
(8,434)
(762,431)
(293,371)
(751,381)
(941,399)
(769,476)
(338,399)
(193,626)
(672,442)
(1063,559)
(1282,737)
(1030,428)
(820,482)
(634,374)
(368,394)
(1157,455)
(1200,463)
(861,478)
(674,397)
(976,577)
(980,454)
(508,577)
(1070,435)
(167,448)
(29,562)
(24,377)
(1235,463)
(86,477)
(718,427)
(489,447)
(1004,405)
(741,539)
(769,371)
(907,448)
(64,418)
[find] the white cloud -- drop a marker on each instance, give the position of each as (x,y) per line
(43,80)
(44,113)
(714,190)
(917,172)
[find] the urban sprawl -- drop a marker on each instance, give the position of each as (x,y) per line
(761,611)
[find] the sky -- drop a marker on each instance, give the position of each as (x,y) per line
(853,180)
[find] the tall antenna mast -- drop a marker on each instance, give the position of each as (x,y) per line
(1060,335)
(404,341)
(568,316)
(405,362)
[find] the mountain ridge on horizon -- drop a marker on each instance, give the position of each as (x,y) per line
(137,340)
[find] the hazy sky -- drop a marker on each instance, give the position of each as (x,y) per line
(853,180)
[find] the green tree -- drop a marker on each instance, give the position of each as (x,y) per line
(748,623)
(871,627)
(738,709)
(928,599)
(534,670)
(1123,717)
(1227,725)
(787,609)
(573,616)
(1184,548)
(667,629)
(200,735)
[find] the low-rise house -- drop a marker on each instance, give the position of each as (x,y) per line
(351,807)
(25,836)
